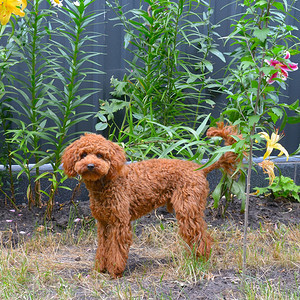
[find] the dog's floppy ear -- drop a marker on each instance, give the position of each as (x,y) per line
(69,158)
(117,160)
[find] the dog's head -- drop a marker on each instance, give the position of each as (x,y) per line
(93,157)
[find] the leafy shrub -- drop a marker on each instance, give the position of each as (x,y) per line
(161,97)
(282,187)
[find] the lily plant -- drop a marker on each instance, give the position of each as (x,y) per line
(264,43)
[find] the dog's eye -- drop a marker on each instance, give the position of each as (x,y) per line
(83,155)
(99,155)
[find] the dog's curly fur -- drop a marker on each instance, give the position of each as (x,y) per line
(120,193)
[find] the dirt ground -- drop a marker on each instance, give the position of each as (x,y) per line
(261,211)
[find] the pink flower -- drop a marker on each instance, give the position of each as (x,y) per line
(282,68)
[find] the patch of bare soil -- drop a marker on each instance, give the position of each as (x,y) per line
(222,285)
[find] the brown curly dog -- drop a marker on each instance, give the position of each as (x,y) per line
(120,193)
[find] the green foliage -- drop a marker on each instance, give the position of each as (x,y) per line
(6,176)
(228,187)
(48,98)
(260,39)
(282,187)
(159,140)
(260,35)
(29,101)
(159,108)
(161,97)
(9,56)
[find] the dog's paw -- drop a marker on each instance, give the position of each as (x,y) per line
(116,276)
(99,267)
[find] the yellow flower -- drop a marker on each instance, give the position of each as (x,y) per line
(268,168)
(272,143)
(8,7)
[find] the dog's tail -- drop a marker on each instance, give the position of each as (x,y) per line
(228,160)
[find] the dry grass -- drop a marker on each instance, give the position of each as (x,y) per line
(59,266)
(271,245)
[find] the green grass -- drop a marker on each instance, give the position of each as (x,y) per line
(266,289)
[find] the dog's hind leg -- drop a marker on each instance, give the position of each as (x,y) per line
(189,205)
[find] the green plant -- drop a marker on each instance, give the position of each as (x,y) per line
(263,42)
(260,63)
(55,51)
(229,187)
(6,158)
(158,109)
(31,39)
(9,57)
(163,90)
(281,187)
(71,74)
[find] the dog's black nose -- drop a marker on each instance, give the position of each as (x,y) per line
(90,166)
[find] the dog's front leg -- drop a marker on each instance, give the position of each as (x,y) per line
(101,252)
(119,239)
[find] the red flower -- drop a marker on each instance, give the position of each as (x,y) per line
(283,69)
